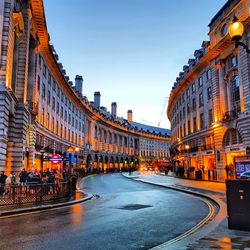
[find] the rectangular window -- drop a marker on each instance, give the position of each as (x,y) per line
(193,88)
(183,112)
(57,128)
(38,83)
(53,124)
(234,61)
(49,79)
(48,120)
(65,115)
(209,93)
(201,103)
(58,91)
(201,121)
(188,108)
(188,92)
(209,75)
(194,103)
(53,103)
(54,85)
(73,121)
(65,132)
(48,98)
(68,134)
(184,129)
(200,82)
(189,127)
(183,98)
(61,112)
(194,124)
(57,108)
(44,70)
(43,91)
(69,120)
(61,131)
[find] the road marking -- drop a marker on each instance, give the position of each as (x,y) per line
(193,229)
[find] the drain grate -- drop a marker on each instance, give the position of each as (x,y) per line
(134,206)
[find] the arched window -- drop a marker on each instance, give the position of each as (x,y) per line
(235,94)
(232,137)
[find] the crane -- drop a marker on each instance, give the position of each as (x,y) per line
(163,109)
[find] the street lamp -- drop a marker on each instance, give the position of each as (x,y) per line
(42,151)
(236,30)
(77,150)
(70,150)
(187,147)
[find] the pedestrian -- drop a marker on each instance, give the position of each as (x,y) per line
(3,178)
(10,181)
(227,170)
(23,176)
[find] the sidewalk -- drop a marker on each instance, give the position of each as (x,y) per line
(75,198)
(215,234)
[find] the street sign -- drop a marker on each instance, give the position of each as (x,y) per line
(56,159)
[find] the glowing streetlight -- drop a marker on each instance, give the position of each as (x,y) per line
(236,30)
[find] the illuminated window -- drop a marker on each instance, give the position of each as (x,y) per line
(235,94)
(209,93)
(200,82)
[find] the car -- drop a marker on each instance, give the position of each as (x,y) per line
(149,169)
(245,175)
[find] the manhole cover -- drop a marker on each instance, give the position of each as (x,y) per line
(134,206)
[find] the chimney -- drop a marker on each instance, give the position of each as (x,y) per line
(114,109)
(130,116)
(78,83)
(97,99)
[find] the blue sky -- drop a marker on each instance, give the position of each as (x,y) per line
(129,50)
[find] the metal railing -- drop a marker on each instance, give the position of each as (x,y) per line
(33,193)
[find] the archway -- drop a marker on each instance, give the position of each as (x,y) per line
(111,164)
(95,165)
(106,166)
(101,165)
(122,164)
(89,164)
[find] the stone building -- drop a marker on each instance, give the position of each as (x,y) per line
(209,105)
(42,113)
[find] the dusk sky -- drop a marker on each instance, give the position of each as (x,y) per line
(129,50)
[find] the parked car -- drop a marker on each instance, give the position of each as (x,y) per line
(245,175)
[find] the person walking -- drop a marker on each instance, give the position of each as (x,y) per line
(3,178)
(23,176)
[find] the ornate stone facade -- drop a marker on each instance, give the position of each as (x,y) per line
(209,104)
(42,113)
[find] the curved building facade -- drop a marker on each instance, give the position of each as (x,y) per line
(209,106)
(42,113)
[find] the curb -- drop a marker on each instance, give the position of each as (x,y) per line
(191,179)
(20,211)
(177,189)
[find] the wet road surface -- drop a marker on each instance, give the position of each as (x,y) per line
(128,215)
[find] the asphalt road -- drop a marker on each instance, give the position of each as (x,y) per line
(127,215)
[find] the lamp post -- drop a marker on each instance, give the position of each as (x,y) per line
(187,147)
(70,150)
(77,150)
(42,151)
(236,30)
